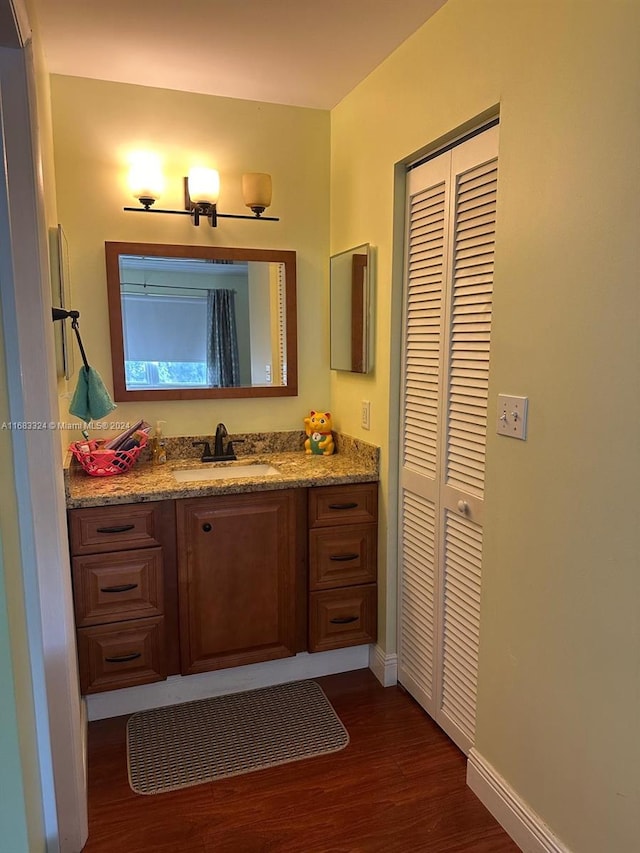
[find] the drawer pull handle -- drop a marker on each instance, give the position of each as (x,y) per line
(207,527)
(123,587)
(348,505)
(343,558)
(124,658)
(343,620)
(118,528)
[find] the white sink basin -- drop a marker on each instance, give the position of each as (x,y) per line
(232,472)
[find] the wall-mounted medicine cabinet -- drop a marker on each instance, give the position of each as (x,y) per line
(351,301)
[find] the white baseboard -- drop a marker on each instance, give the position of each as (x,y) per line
(516,817)
(383,666)
(177,688)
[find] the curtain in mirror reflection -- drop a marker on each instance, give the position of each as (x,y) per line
(223,360)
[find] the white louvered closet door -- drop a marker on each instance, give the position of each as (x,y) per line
(447,326)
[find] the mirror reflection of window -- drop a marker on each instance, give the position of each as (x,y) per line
(157,352)
(193,323)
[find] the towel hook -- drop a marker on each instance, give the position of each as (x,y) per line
(61,314)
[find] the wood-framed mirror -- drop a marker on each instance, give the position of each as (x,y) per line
(200,322)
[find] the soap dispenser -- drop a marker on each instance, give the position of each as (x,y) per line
(158,450)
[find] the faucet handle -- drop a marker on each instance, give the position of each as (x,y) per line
(230,451)
(205,444)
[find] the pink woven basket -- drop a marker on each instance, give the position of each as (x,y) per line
(105,463)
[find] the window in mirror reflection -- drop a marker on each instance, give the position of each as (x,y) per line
(233,312)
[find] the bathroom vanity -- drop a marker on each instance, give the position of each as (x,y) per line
(177,577)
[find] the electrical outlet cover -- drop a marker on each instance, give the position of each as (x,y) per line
(365,416)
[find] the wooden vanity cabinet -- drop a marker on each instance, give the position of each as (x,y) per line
(200,584)
(241,575)
(343,536)
(123,570)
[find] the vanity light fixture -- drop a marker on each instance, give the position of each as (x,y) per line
(201,189)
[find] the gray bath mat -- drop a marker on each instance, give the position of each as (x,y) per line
(183,745)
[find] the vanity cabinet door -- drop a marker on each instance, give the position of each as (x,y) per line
(237,567)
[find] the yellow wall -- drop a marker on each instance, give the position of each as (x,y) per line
(559,682)
(96,127)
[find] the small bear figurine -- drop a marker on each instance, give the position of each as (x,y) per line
(320,438)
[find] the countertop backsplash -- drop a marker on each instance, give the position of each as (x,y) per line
(181,446)
(253,443)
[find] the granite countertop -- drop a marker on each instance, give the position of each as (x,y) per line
(355,462)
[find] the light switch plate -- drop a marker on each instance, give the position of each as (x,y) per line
(512,416)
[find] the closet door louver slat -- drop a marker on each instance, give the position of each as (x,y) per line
(416,616)
(470,339)
(423,329)
(462,546)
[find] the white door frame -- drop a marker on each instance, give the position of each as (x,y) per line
(31,379)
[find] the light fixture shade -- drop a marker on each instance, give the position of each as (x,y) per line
(256,190)
(145,176)
(204,185)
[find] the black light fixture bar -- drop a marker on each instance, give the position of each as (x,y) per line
(202,213)
(204,209)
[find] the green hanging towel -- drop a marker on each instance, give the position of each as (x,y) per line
(91,400)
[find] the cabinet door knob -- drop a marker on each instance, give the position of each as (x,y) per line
(207,527)
(463,507)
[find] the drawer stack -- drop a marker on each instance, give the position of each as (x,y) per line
(118,595)
(343,534)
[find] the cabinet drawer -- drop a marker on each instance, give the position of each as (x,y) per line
(342,617)
(118,586)
(121,655)
(342,556)
(352,504)
(114,528)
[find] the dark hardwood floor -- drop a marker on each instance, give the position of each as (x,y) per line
(398,786)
